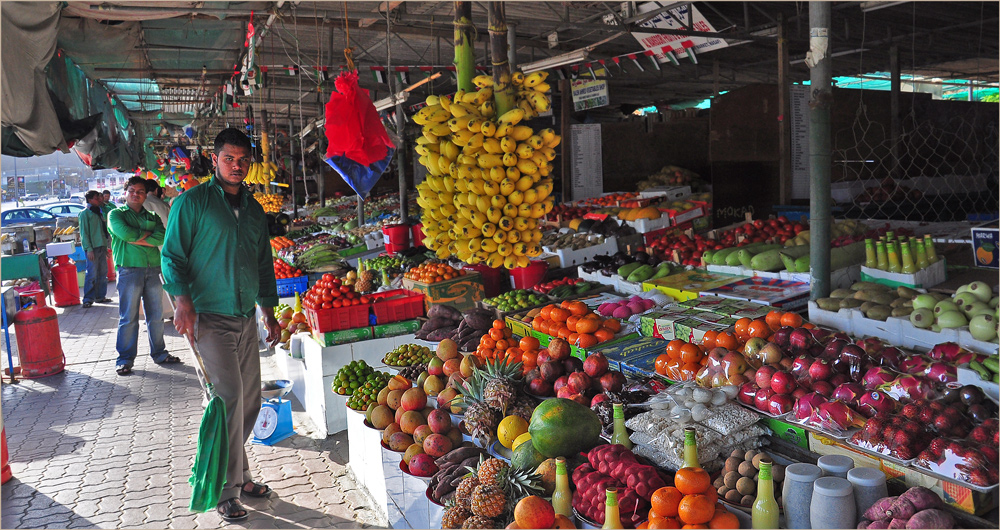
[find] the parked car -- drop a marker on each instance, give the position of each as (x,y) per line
(36,216)
(30,197)
(65,209)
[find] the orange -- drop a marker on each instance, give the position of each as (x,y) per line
(502,344)
(563,332)
(545,312)
(692,480)
(536,324)
(643,526)
(663,522)
(773,319)
(689,370)
(693,526)
(661,363)
(726,340)
(530,357)
(708,341)
(759,328)
(613,324)
(695,509)
(487,342)
(809,325)
(559,314)
(572,321)
(495,334)
(691,353)
(793,320)
(529,343)
(674,348)
(498,324)
(724,520)
(587,325)
(665,501)
(742,328)
(578,308)
(572,338)
(586,340)
(604,334)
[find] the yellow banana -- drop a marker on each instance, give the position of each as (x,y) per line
(431,100)
(510,159)
(524,151)
(488,128)
(483,81)
(476,124)
(482,96)
(512,116)
(534,79)
(460,124)
(490,145)
(527,167)
(487,161)
(461,137)
(520,132)
(508,144)
(542,87)
(554,141)
(517,78)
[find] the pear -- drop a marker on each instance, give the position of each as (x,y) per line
(952,319)
(964,298)
(944,306)
(994,301)
(922,318)
(983,327)
(976,308)
(924,301)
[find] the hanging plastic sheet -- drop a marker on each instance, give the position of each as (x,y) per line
(360,148)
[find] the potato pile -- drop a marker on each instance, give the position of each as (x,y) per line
(738,481)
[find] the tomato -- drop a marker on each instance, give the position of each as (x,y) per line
(327,305)
(327,277)
(365,300)
(345,288)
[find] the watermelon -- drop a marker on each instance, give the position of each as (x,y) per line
(563,427)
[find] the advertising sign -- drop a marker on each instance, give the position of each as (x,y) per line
(590,93)
(677,18)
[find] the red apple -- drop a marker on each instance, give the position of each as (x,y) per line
(800,339)
(823,387)
(752,348)
(748,393)
(820,370)
(783,383)
(780,404)
(762,398)
(763,376)
(799,392)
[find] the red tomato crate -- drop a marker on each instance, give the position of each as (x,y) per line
(337,318)
(397,305)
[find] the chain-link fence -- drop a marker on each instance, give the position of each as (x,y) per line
(941,166)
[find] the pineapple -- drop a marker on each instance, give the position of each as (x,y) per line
(489,472)
(455,516)
(463,493)
(479,522)
(502,381)
(523,406)
(366,279)
(480,419)
(488,501)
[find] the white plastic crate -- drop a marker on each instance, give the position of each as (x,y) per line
(841,278)
(648,225)
(596,276)
(979,346)
(841,320)
(923,278)
(667,192)
(889,331)
(740,270)
(968,376)
(627,287)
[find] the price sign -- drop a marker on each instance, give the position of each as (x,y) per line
(587,173)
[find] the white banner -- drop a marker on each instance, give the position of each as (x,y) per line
(589,93)
(676,18)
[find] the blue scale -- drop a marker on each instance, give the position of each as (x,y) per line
(274,423)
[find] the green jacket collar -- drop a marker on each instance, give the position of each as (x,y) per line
(243,193)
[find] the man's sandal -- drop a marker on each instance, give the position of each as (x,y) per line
(231,510)
(257,490)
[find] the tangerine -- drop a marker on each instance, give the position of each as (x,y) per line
(499,324)
(661,363)
(572,321)
(529,357)
(759,328)
(691,353)
(578,308)
(809,325)
(546,311)
(773,319)
(604,334)
(559,314)
(613,324)
(665,501)
(572,337)
(563,332)
(674,348)
(586,340)
(692,481)
(695,509)
(793,320)
(587,325)
(724,520)
(708,341)
(726,340)
(687,526)
(742,328)
(688,371)
(663,522)
(529,344)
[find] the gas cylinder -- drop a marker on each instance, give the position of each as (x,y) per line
(111,266)
(65,283)
(5,473)
(38,345)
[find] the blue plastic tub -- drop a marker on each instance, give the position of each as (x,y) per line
(290,286)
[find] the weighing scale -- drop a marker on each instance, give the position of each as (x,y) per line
(274,423)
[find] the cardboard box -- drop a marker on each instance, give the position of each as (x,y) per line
(922,279)
(632,354)
(792,434)
(729,307)
(689,324)
(394,329)
(986,246)
(332,338)
(462,292)
(689,284)
(766,291)
(521,329)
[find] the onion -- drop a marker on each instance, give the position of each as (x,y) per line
(700,412)
(731,391)
(702,395)
(719,398)
(680,414)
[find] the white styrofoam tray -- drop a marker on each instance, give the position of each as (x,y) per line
(569,258)
(648,225)
(924,278)
(840,320)
(968,376)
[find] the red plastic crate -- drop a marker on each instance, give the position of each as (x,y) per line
(397,305)
(337,318)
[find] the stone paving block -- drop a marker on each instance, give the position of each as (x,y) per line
(132,517)
(86,508)
(159,512)
(111,503)
(42,522)
(181,521)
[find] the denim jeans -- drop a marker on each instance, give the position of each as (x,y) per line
(95,286)
(137,284)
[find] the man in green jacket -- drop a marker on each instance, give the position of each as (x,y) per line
(94,239)
(136,234)
(217,263)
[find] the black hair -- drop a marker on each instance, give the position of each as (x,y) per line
(91,194)
(234,137)
(106,192)
(152,186)
(132,181)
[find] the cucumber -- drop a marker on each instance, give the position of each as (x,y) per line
(984,374)
(993,364)
(771,260)
(627,269)
(733,259)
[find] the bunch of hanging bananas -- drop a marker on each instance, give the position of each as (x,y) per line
(64,231)
(486,187)
(262,172)
(531,91)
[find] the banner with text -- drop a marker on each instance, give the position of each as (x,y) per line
(590,94)
(677,18)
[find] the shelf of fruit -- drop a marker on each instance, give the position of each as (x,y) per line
(407,355)
(515,300)
(433,272)
(291,320)
(566,287)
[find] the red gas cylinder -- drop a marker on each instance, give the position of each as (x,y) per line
(65,283)
(111,267)
(38,345)
(5,473)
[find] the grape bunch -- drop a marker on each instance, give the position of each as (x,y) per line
(368,393)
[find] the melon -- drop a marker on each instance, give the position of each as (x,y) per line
(526,457)
(563,427)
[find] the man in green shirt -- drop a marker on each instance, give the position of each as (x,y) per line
(94,239)
(217,263)
(136,234)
